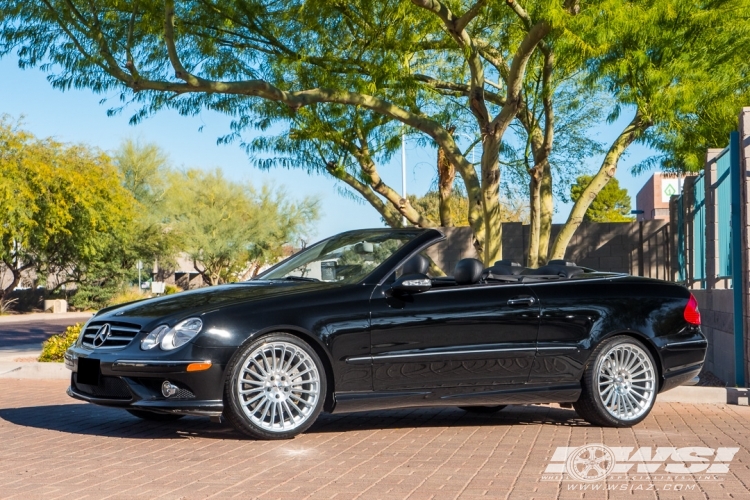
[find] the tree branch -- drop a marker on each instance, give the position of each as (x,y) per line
(169,39)
(457,29)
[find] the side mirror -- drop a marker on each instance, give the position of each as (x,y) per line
(411,283)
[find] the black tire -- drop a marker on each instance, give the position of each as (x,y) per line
(591,404)
(482,409)
(155,417)
(240,415)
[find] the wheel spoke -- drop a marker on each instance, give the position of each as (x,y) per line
(281,382)
(626,381)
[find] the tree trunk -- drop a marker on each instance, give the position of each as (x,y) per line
(545,213)
(534,216)
(609,166)
(16,274)
(446,177)
(491,248)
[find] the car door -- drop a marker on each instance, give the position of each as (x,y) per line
(472,335)
(567,315)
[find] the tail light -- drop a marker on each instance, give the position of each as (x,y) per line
(691,314)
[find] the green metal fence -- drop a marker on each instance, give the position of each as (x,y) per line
(698,259)
(724,214)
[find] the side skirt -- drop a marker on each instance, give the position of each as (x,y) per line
(457,396)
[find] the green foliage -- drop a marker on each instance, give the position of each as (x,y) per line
(429,205)
(226,227)
(53,349)
(126,295)
(612,204)
(348,78)
(172,289)
(145,172)
(64,210)
(91,297)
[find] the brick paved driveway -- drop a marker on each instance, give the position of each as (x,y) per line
(54,447)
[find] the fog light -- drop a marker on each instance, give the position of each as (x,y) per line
(168,389)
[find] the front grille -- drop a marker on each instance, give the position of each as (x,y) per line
(108,387)
(120,335)
(183,394)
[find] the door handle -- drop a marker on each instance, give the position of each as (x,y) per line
(522,301)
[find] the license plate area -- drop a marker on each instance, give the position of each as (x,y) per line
(88,371)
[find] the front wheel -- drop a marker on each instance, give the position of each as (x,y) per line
(619,385)
(276,387)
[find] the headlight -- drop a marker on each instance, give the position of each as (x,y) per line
(172,338)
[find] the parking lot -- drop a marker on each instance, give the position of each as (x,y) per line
(52,446)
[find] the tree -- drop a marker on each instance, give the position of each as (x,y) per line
(403,67)
(65,214)
(223,53)
(455,205)
(145,174)
(612,204)
(227,227)
(672,62)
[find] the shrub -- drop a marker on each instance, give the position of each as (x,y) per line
(170,289)
(54,348)
(92,297)
(128,295)
(6,306)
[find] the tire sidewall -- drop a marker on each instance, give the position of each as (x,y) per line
(234,410)
(593,376)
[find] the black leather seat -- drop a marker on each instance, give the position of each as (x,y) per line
(468,271)
(418,264)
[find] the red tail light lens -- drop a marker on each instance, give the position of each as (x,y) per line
(692,315)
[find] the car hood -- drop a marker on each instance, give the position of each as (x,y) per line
(205,299)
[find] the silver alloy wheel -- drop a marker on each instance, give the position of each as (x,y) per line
(627,381)
(278,386)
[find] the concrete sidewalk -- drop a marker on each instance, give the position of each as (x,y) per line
(33,317)
(20,362)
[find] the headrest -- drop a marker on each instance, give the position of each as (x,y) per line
(468,271)
(561,262)
(506,262)
(416,265)
(506,267)
(565,271)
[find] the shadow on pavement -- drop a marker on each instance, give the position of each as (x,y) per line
(87,419)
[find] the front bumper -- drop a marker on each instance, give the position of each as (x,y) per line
(131,378)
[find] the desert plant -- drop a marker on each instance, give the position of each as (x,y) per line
(127,295)
(170,289)
(6,305)
(53,349)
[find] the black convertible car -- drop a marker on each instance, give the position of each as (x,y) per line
(378,318)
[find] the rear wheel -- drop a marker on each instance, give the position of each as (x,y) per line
(619,385)
(155,417)
(276,387)
(482,409)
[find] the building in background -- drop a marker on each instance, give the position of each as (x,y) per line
(652,201)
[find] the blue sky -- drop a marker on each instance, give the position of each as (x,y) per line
(77,116)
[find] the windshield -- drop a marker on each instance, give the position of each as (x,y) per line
(345,258)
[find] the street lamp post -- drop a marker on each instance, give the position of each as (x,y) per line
(403,173)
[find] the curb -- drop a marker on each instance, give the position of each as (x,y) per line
(705,395)
(34,370)
(32,317)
